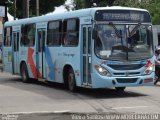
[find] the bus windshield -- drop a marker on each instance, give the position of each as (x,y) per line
(123,41)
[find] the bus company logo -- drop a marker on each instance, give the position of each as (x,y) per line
(126,73)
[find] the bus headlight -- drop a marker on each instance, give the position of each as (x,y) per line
(102,71)
(149,69)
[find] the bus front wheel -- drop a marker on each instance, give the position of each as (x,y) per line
(71,81)
(24,73)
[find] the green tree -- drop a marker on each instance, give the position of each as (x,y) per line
(153,6)
(154,9)
(2,1)
(45,6)
(89,3)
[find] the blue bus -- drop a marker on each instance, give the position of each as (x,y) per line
(103,47)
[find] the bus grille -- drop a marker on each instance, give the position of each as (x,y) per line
(128,80)
(124,74)
(126,67)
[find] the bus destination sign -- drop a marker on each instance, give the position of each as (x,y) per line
(122,15)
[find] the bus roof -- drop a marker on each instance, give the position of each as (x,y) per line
(66,15)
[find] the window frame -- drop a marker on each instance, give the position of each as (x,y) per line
(67,31)
(58,33)
(24,34)
(6,42)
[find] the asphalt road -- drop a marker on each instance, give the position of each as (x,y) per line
(39,101)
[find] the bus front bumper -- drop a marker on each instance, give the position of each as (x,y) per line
(99,81)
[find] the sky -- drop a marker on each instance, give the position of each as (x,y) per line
(62,8)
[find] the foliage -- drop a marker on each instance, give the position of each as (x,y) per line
(45,6)
(3,1)
(90,3)
(153,6)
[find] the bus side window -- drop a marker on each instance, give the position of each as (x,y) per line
(28,35)
(64,32)
(7,36)
(54,33)
(71,32)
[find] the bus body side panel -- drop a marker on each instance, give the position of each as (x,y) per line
(7,59)
(50,63)
(31,61)
(27,56)
(57,57)
(7,51)
(72,56)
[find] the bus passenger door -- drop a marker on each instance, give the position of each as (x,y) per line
(86,36)
(40,57)
(15,49)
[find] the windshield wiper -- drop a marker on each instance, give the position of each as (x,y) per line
(134,29)
(116,30)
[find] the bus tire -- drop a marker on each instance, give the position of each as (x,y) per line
(24,73)
(120,89)
(71,81)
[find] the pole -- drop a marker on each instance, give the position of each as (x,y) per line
(6,18)
(25,8)
(37,7)
(15,7)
